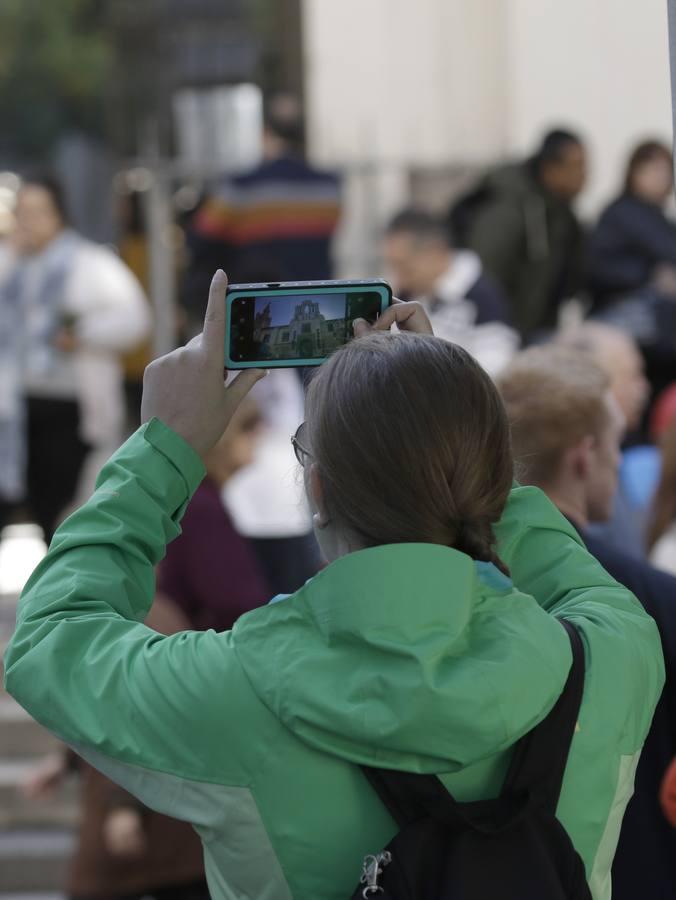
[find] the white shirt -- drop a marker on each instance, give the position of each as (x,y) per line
(492,344)
(267,498)
(663,554)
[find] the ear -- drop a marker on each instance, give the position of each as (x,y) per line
(316,491)
(580,457)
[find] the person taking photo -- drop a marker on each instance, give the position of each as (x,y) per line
(412,650)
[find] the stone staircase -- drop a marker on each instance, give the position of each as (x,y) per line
(36,836)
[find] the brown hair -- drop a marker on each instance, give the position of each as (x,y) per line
(554,397)
(642,154)
(663,510)
(412,443)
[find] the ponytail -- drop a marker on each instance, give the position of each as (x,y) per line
(412,443)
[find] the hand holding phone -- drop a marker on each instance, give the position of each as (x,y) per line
(186,389)
(284,325)
(407,316)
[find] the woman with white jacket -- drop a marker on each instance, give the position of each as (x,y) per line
(68,308)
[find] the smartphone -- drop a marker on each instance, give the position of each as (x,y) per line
(296,323)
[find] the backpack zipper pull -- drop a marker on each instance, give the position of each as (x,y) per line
(372,870)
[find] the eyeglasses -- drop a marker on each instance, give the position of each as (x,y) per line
(302,454)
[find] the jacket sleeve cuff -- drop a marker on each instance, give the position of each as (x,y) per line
(176,475)
(186,463)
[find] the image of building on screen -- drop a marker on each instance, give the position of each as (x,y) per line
(308,335)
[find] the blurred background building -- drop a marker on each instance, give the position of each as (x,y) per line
(452,86)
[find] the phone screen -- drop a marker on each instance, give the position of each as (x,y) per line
(297,326)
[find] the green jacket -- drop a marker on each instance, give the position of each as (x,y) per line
(530,242)
(409,656)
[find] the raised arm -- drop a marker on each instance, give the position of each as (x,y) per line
(131,701)
(548,559)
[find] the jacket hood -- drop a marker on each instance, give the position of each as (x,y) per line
(516,182)
(511,178)
(408,656)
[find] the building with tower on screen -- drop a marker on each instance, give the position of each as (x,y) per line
(308,335)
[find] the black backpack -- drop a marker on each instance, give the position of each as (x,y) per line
(511,848)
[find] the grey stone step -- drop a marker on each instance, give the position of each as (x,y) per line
(21,736)
(35,861)
(7,615)
(32,896)
(9,597)
(57,809)
(5,634)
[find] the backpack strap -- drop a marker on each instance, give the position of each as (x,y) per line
(410,797)
(535,774)
(539,760)
(402,792)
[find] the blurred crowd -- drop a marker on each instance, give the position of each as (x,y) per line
(575,322)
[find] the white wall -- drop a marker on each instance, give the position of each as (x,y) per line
(400,81)
(600,65)
(435,83)
(392,84)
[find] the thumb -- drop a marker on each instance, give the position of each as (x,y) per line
(360,327)
(213,335)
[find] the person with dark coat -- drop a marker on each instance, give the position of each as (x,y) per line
(566,432)
(634,243)
(519,219)
(632,261)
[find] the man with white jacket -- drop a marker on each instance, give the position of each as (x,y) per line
(464,304)
(68,308)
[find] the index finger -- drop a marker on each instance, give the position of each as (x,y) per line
(213,335)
